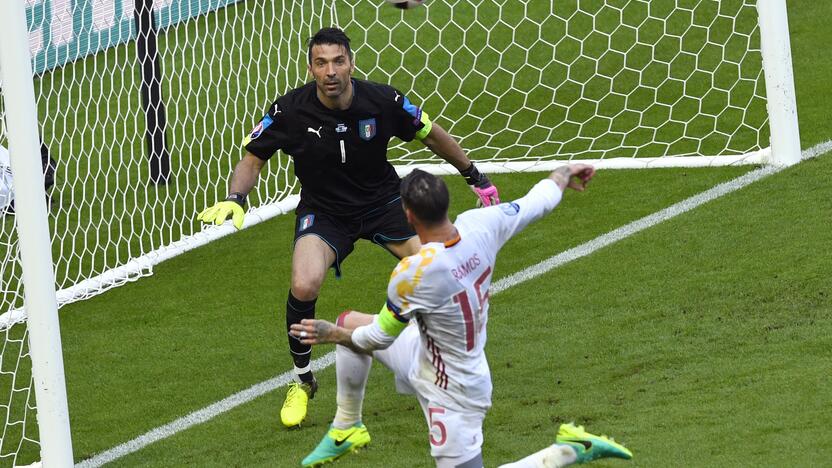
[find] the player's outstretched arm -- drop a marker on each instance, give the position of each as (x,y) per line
(243,179)
(315,332)
(540,200)
(446,147)
(574,176)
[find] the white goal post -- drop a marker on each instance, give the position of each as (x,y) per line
(777,63)
(143,105)
(47,367)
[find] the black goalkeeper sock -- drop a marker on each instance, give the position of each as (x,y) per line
(297,310)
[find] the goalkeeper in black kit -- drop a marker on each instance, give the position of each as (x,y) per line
(336,129)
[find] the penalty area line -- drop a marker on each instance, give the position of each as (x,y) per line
(582,250)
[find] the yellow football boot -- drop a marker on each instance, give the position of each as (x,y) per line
(297,399)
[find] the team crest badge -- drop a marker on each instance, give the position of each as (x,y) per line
(367,129)
(306,222)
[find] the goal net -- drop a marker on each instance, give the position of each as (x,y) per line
(520,83)
(589,79)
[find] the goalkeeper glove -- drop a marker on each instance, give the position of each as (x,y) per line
(231,206)
(485,190)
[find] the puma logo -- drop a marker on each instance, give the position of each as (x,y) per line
(316,132)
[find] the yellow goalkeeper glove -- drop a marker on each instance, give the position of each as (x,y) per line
(231,206)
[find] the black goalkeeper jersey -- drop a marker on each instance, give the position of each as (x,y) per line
(340,157)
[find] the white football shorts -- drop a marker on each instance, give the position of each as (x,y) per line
(455,434)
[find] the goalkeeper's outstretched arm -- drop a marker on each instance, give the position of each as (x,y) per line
(446,147)
(245,176)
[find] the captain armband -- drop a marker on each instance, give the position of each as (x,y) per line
(391,322)
(428,125)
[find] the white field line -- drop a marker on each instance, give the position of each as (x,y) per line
(648,221)
(201,416)
(242,397)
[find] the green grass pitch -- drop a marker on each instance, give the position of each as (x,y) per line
(703,341)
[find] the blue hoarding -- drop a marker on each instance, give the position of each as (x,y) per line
(61,31)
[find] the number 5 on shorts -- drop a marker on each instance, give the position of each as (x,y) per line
(443,435)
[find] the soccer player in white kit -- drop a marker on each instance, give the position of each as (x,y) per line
(432,331)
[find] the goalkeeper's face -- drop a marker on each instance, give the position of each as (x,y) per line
(331,67)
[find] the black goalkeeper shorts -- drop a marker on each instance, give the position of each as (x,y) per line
(382,225)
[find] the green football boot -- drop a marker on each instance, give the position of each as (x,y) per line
(590,447)
(337,442)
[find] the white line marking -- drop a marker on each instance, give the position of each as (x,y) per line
(632,228)
(648,221)
(227,404)
(201,416)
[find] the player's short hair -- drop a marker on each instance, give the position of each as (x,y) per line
(329,36)
(426,196)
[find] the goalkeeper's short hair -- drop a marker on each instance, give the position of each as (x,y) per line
(329,36)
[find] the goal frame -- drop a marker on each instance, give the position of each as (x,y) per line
(34,238)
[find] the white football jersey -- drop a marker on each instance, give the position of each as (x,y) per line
(444,289)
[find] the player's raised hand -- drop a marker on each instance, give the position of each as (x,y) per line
(574,176)
(580,175)
(218,213)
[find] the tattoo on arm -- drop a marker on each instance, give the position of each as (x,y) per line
(561,176)
(324,331)
(330,333)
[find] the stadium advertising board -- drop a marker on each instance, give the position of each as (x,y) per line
(61,31)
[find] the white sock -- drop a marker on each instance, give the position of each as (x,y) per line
(553,456)
(351,370)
